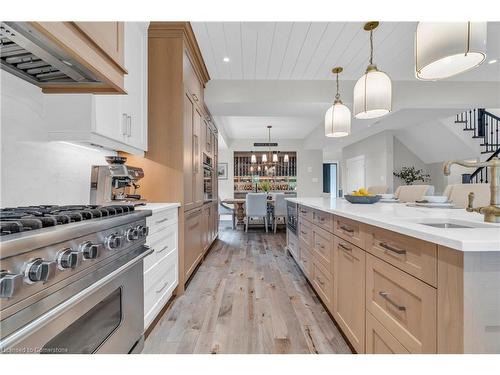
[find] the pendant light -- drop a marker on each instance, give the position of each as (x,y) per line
(445,49)
(285,158)
(373,91)
(264,158)
(275,158)
(253,159)
(338,116)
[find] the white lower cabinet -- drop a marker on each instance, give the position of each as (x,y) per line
(161,268)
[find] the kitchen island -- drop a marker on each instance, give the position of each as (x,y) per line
(396,280)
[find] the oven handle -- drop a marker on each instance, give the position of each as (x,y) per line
(60,309)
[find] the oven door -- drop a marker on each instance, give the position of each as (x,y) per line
(106,317)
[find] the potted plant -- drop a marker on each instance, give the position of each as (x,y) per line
(265,186)
(410,175)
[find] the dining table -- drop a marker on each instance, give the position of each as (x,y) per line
(239,207)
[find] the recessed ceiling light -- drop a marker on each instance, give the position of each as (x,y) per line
(492,61)
(225,59)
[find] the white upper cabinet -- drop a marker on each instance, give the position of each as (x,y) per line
(117,122)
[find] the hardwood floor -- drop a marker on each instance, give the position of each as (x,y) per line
(248,296)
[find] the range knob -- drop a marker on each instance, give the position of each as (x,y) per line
(143,231)
(68,258)
(9,283)
(39,270)
(113,241)
(132,234)
(90,250)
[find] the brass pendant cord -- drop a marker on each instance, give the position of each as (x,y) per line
(337,96)
(371,47)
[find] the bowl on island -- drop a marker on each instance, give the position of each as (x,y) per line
(435,198)
(362,199)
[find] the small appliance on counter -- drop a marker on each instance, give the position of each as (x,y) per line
(115,183)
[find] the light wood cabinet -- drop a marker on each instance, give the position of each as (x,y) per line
(193,246)
(348,230)
(188,151)
(379,340)
(323,220)
(322,282)
(322,247)
(417,257)
(349,291)
(109,36)
(292,244)
(405,305)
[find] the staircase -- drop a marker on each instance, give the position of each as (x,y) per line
(484,126)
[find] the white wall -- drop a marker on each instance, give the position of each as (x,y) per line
(378,152)
(403,157)
(309,166)
(33,170)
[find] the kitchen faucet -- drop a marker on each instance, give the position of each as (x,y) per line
(492,212)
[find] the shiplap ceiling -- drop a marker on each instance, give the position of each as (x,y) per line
(309,50)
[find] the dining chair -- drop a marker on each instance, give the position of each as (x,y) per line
(412,193)
(225,209)
(459,194)
(279,209)
(378,189)
(255,207)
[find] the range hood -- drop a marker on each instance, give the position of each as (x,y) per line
(28,54)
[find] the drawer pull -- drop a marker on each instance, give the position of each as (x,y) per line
(161,221)
(304,233)
(385,296)
(320,280)
(346,229)
(162,250)
(345,247)
(163,287)
(195,97)
(320,245)
(303,212)
(393,249)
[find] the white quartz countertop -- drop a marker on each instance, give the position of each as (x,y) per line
(157,207)
(398,217)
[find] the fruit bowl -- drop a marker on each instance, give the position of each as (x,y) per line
(362,199)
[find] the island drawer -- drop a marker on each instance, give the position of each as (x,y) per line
(379,340)
(404,305)
(322,282)
(323,219)
(305,259)
(417,257)
(348,230)
(305,232)
(322,247)
(305,212)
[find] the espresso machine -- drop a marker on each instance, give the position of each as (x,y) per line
(115,182)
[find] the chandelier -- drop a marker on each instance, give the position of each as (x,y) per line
(270,159)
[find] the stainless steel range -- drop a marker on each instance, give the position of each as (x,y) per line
(71,279)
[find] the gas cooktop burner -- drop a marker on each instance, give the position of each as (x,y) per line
(21,219)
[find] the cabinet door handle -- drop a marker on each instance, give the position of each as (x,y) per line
(195,97)
(304,233)
(385,296)
(162,249)
(195,154)
(386,246)
(124,124)
(320,280)
(345,247)
(161,221)
(346,229)
(129,125)
(320,245)
(163,287)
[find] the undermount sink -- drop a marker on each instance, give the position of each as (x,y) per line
(454,224)
(447,225)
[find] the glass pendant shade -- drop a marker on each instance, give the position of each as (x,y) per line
(275,158)
(258,168)
(264,158)
(285,158)
(253,159)
(372,95)
(338,120)
(445,49)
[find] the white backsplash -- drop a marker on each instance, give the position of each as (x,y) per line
(33,170)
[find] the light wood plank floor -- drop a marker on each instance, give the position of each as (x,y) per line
(248,296)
